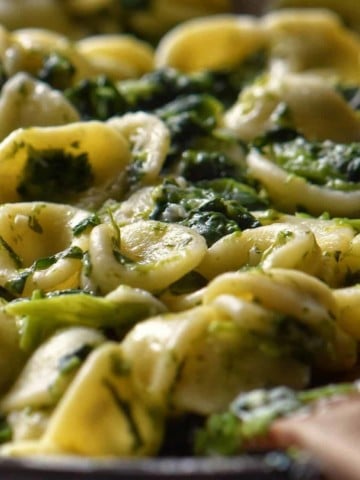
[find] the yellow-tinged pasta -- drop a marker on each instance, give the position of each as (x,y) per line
(217,42)
(348,301)
(278,245)
(290,192)
(337,240)
(145,254)
(42,382)
(107,418)
(26,102)
(315,41)
(299,295)
(28,48)
(32,231)
(349,10)
(313,107)
(98,150)
(149,142)
(119,56)
(48,14)
(198,360)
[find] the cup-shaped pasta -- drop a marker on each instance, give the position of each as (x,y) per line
(49,370)
(210,43)
(349,10)
(118,56)
(149,141)
(278,245)
(315,41)
(26,102)
(82,163)
(146,254)
(198,360)
(338,243)
(32,13)
(29,48)
(38,247)
(290,192)
(348,301)
(310,105)
(106,415)
(304,300)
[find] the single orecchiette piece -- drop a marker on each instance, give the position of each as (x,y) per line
(83,163)
(339,245)
(211,43)
(28,48)
(278,245)
(149,141)
(302,298)
(314,41)
(106,415)
(311,105)
(196,361)
(290,192)
(37,13)
(26,102)
(38,249)
(49,370)
(348,301)
(119,56)
(145,254)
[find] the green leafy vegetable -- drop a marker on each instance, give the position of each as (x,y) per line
(326,163)
(97,99)
(204,209)
(39,317)
(54,174)
(88,222)
(57,71)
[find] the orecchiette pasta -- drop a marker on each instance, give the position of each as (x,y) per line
(179,220)
(25,102)
(291,192)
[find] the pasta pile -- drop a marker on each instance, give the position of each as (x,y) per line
(179,221)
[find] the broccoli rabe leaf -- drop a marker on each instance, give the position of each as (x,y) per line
(97,99)
(201,208)
(195,165)
(57,71)
(189,117)
(39,316)
(251,414)
(326,163)
(54,174)
(5,430)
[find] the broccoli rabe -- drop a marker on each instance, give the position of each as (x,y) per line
(97,99)
(101,98)
(326,163)
(54,174)
(251,414)
(41,315)
(203,208)
(195,165)
(188,118)
(57,71)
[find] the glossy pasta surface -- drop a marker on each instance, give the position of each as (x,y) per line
(179,219)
